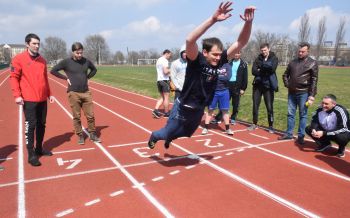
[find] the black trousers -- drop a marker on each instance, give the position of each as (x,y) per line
(35,120)
(258,92)
(235,97)
(341,139)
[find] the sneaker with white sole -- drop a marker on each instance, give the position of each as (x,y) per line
(229,132)
(233,122)
(252,127)
(204,131)
(323,147)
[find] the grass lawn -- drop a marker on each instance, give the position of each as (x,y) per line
(142,79)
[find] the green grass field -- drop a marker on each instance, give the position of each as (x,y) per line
(143,80)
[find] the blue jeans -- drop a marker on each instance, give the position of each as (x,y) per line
(181,122)
(294,101)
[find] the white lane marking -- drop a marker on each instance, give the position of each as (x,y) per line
(141,184)
(174,172)
(71,151)
(138,185)
(4,80)
(229,153)
(259,136)
(158,178)
(64,213)
(190,167)
(116,193)
(92,202)
(5,159)
(128,144)
(21,213)
(217,157)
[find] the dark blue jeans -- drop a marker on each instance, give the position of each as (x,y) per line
(294,101)
(182,122)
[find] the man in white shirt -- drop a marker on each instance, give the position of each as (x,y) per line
(163,84)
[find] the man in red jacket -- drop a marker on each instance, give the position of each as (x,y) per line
(30,87)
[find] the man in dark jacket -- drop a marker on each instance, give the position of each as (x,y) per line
(330,123)
(237,86)
(300,78)
(264,84)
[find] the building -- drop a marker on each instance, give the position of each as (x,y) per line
(7,51)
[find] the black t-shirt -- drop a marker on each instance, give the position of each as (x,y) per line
(77,72)
(200,81)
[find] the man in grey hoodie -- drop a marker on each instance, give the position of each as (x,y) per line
(178,71)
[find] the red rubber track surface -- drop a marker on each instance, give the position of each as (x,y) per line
(249,174)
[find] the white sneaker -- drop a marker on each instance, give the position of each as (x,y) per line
(204,131)
(229,132)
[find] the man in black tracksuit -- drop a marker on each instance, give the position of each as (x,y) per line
(330,123)
(237,86)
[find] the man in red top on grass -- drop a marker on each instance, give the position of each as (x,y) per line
(30,87)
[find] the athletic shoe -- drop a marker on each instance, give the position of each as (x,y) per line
(41,152)
(229,132)
(167,144)
(2,168)
(81,139)
(152,142)
(300,140)
(94,138)
(271,130)
(204,131)
(33,159)
(322,147)
(341,154)
(285,137)
(252,127)
(233,122)
(167,114)
(156,114)
(215,121)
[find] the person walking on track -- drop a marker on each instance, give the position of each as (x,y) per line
(30,87)
(78,71)
(201,75)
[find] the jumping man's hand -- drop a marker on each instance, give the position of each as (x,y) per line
(222,13)
(248,14)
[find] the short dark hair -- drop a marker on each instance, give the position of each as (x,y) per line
(263,45)
(331,96)
(166,51)
(77,46)
(31,36)
(208,44)
(303,44)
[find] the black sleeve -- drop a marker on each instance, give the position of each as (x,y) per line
(93,70)
(256,68)
(244,76)
(55,70)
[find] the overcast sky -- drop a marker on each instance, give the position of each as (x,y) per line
(158,24)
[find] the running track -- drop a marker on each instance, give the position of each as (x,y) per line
(251,174)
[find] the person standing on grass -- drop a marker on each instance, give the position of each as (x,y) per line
(201,75)
(163,84)
(78,71)
(264,84)
(221,98)
(237,86)
(178,72)
(30,87)
(330,123)
(300,78)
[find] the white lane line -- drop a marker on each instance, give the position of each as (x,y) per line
(92,202)
(116,193)
(4,80)
(217,157)
(141,184)
(71,151)
(64,213)
(174,172)
(259,136)
(5,159)
(138,185)
(190,167)
(21,213)
(158,178)
(229,153)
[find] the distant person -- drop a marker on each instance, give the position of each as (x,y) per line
(264,84)
(78,70)
(30,87)
(221,98)
(201,75)
(178,72)
(330,123)
(300,78)
(163,84)
(237,86)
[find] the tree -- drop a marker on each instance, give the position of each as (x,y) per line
(321,35)
(96,49)
(304,29)
(339,37)
(54,48)
(118,58)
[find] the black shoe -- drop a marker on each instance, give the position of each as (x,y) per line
(285,137)
(41,152)
(300,140)
(341,154)
(94,138)
(152,142)
(33,159)
(322,147)
(167,144)
(81,139)
(156,114)
(215,121)
(167,114)
(271,130)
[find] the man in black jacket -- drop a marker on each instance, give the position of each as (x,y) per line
(264,84)
(300,78)
(237,86)
(330,123)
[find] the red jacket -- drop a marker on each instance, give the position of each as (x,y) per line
(29,78)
